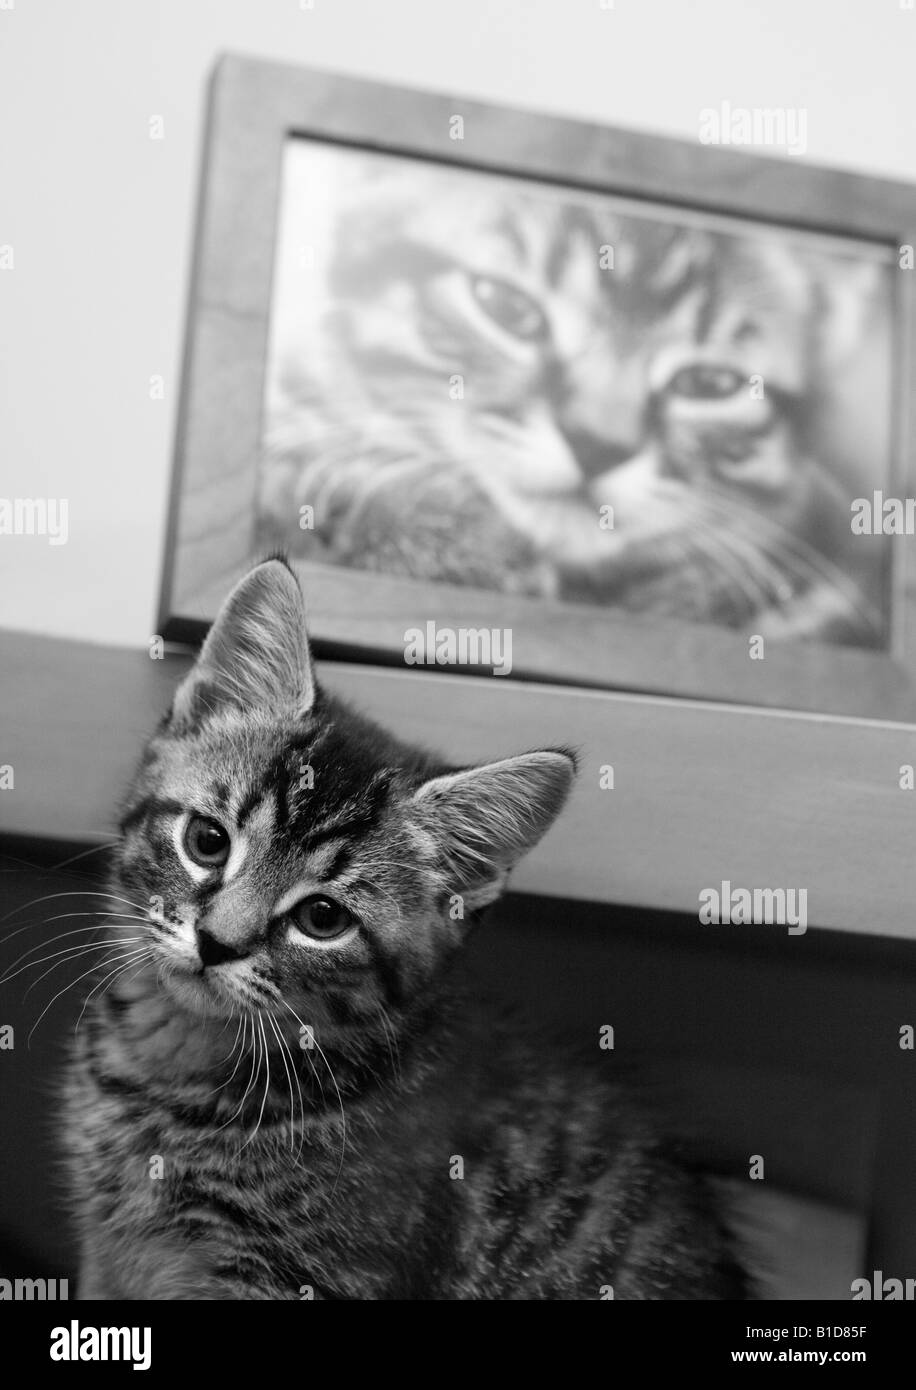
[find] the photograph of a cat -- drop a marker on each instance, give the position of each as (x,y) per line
(474,383)
(284,1090)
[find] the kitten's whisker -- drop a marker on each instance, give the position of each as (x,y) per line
(83,893)
(371,883)
(289,1081)
(266,1056)
(144,955)
(96,849)
(67,953)
(314,1071)
(251,1079)
(242,1032)
(391,1036)
(48,941)
(343,1119)
(295,1072)
(281,1000)
(393,864)
(99,965)
(76,931)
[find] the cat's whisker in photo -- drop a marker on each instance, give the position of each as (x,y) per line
(802,559)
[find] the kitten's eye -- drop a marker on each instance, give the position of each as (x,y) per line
(706,382)
(206,842)
(509,307)
(321,918)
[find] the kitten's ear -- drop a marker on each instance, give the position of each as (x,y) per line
(484,819)
(256,653)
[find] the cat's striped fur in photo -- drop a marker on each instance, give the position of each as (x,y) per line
(714,393)
(286,1092)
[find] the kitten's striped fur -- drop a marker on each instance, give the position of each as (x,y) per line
(215,1157)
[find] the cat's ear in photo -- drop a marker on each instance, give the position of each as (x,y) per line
(485,819)
(256,654)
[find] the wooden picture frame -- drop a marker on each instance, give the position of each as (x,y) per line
(255,107)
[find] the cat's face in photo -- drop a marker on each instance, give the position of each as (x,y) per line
(518,367)
(295,858)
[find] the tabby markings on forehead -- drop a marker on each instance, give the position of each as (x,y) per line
(150,806)
(320,860)
(239,842)
(320,867)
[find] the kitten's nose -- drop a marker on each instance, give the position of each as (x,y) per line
(214,952)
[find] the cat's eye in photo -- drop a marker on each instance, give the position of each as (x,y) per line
(321,918)
(510,308)
(704,381)
(206,842)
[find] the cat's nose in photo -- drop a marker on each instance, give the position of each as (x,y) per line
(596,454)
(213,951)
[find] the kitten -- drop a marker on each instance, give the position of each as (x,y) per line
(629,386)
(286,1093)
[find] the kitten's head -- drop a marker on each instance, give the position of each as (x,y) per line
(297,858)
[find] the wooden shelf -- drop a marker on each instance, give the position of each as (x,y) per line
(702,793)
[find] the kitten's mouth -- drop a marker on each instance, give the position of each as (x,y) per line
(200,988)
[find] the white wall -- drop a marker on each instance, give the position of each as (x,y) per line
(100,216)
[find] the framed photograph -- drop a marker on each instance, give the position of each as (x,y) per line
(521,395)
